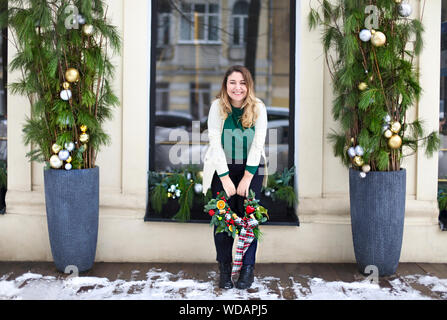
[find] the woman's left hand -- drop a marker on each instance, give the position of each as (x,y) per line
(244,185)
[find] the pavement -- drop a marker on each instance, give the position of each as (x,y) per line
(282,281)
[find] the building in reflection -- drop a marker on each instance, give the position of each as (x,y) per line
(198,40)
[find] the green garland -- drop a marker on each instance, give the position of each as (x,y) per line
(179,186)
(280,187)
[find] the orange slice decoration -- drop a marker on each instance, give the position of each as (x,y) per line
(220,204)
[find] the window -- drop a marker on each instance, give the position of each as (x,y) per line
(199,22)
(202,39)
(162,96)
(200,100)
(164,24)
(240,23)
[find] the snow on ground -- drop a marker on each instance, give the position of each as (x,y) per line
(161,284)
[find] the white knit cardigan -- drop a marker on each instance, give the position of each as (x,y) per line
(215,159)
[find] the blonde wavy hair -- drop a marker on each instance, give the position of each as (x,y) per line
(250,112)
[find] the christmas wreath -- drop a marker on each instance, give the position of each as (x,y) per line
(247,228)
(228,221)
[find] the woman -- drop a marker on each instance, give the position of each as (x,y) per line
(237,125)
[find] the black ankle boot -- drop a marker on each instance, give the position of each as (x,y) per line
(225,275)
(246,277)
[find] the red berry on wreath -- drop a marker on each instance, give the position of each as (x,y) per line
(250,209)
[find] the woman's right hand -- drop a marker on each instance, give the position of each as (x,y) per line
(228,185)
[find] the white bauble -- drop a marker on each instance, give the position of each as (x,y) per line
(405,10)
(63,154)
(198,188)
(66,95)
(55,162)
(366,168)
(68,166)
(365,35)
(362,175)
(387,118)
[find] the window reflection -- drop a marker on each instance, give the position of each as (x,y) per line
(197,40)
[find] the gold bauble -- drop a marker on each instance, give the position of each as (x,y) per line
(373,31)
(362,86)
(88,29)
(397,1)
(56,148)
(83,128)
(378,39)
(395,127)
(358,161)
(395,142)
(66,85)
(200,174)
(169,194)
(72,75)
(388,133)
(55,162)
(84,137)
(69,159)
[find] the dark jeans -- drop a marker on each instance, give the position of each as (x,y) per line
(224,242)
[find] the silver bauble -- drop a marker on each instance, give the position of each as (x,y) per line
(351,152)
(405,10)
(68,166)
(359,151)
(63,154)
(81,19)
(365,35)
(66,95)
(69,146)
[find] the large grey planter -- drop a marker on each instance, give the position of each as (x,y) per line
(377,218)
(72,203)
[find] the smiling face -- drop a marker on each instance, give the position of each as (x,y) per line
(236,88)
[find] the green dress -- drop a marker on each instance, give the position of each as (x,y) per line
(236,140)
